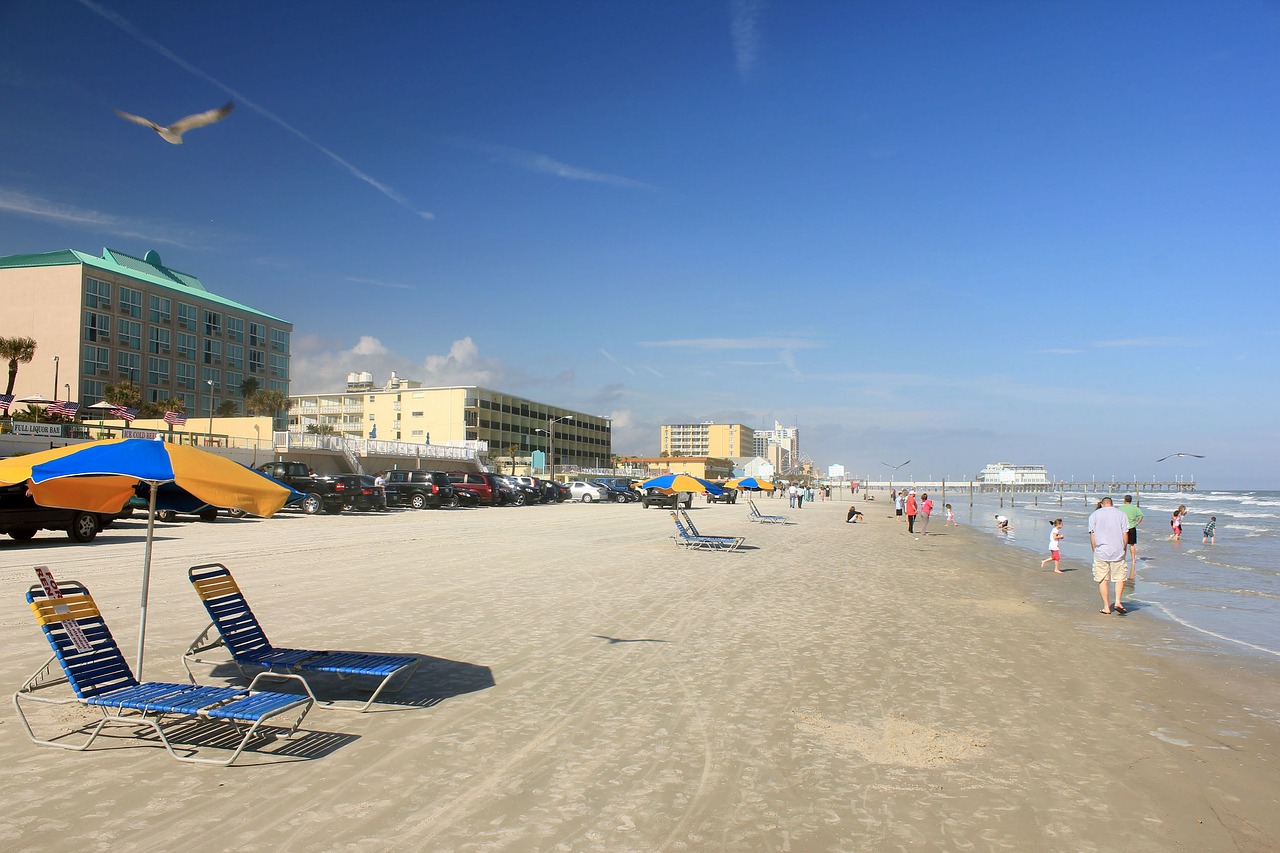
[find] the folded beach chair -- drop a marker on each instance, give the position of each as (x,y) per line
(754,515)
(100,677)
(235,627)
(735,541)
(685,539)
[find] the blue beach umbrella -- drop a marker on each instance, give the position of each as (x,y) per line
(101,476)
(682,483)
(751,483)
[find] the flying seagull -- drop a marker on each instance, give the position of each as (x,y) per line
(895,467)
(1171,455)
(173,133)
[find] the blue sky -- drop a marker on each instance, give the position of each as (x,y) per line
(948,232)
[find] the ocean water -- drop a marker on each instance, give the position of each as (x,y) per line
(1227,593)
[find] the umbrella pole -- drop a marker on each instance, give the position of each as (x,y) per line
(146,578)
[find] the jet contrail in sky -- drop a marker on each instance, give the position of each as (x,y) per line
(142,37)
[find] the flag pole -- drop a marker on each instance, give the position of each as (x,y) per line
(146,577)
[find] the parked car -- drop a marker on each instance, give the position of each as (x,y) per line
(21,517)
(728,496)
(657,497)
(619,494)
(521,493)
(360,492)
(586,492)
(418,489)
(553,492)
(489,489)
(532,487)
(320,492)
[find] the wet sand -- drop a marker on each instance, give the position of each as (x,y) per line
(589,687)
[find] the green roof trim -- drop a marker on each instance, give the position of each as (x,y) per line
(149,269)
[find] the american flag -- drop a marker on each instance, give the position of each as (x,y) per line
(124,413)
(6,400)
(175,418)
(66,408)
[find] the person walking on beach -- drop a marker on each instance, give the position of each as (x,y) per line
(1209,530)
(926,510)
(1134,513)
(912,507)
(899,503)
(951,518)
(791,496)
(1108,535)
(1055,548)
(800,498)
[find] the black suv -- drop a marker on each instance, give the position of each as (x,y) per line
(360,492)
(320,492)
(419,489)
(728,496)
(657,497)
(21,517)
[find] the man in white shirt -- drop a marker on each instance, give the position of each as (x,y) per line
(1108,534)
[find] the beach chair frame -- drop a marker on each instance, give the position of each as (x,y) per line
(101,678)
(235,628)
(685,539)
(734,541)
(755,515)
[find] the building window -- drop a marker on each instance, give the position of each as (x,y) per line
(188,401)
(92,389)
(158,395)
(186,346)
(257,335)
(234,381)
(96,360)
(187,316)
(235,328)
(279,367)
(131,302)
(212,323)
(129,365)
(158,340)
(157,371)
(280,340)
(97,294)
(130,334)
(97,327)
(235,357)
(212,352)
(257,361)
(160,310)
(185,374)
(212,374)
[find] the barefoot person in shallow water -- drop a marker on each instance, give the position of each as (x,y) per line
(1055,547)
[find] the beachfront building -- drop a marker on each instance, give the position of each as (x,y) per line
(458,416)
(706,439)
(1004,472)
(117,318)
(707,467)
(780,445)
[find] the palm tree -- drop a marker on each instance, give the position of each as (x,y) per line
(249,387)
(123,394)
(227,409)
(18,351)
(267,403)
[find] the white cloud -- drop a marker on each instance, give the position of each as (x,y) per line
(21,204)
(745,32)
(369,346)
(735,343)
(534,162)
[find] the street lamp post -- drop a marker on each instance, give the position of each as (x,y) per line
(551,443)
(209,439)
(55,377)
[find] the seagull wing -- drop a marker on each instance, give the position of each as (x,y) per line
(207,117)
(145,122)
(1171,455)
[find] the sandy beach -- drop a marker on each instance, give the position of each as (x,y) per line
(590,687)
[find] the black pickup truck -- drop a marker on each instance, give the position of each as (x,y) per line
(321,492)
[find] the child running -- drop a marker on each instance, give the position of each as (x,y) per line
(951,518)
(1055,549)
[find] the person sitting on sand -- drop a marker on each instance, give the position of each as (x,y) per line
(854,516)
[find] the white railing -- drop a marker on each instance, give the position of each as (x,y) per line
(371,447)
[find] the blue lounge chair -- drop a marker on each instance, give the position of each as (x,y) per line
(100,677)
(734,541)
(235,627)
(754,515)
(685,539)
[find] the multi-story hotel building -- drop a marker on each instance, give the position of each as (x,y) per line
(706,439)
(98,321)
(780,445)
(403,410)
